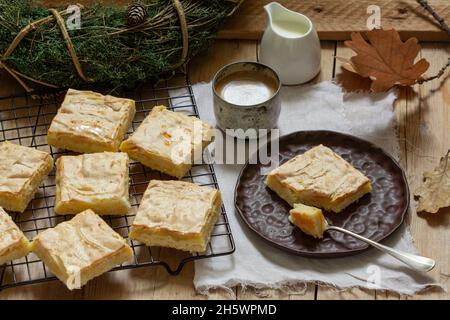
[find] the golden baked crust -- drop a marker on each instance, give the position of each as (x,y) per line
(91,122)
(96,181)
(22,169)
(309,219)
(81,249)
(168,141)
(319,177)
(13,243)
(176,214)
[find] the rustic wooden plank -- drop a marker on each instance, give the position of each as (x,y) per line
(261,294)
(53,290)
(350,83)
(9,86)
(310,293)
(428,139)
(423,118)
(327,293)
(328,50)
(175,287)
(202,69)
(335,20)
(400,106)
(133,284)
(386,295)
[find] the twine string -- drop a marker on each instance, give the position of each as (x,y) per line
(23,33)
(69,44)
(184,32)
(237,5)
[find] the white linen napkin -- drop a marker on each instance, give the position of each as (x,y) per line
(257,264)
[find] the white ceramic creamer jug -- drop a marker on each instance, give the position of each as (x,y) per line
(290,45)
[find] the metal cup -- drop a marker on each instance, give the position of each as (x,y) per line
(241,118)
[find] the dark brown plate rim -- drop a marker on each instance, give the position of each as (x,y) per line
(325,255)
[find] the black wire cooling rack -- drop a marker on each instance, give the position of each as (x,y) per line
(25,120)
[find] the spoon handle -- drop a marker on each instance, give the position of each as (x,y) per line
(416,262)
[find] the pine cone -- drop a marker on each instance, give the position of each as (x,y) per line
(136,14)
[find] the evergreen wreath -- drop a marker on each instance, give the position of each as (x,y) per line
(36,47)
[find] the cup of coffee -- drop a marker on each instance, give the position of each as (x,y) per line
(246,96)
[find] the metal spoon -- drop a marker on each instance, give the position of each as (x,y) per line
(416,262)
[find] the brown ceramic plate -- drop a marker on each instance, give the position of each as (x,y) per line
(375,216)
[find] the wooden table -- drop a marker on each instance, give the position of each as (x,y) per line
(423,114)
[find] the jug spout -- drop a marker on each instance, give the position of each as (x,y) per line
(287,23)
(272,10)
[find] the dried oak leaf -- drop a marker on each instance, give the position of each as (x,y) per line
(435,190)
(385,59)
